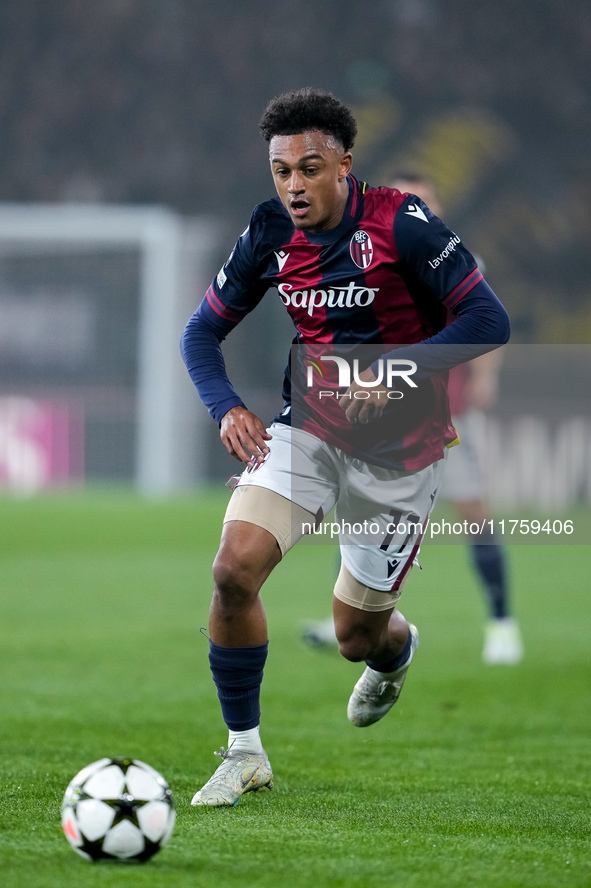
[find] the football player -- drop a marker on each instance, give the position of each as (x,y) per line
(368,276)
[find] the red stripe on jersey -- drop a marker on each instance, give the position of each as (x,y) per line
(414,552)
(297,282)
(394,308)
(460,291)
(222,310)
(407,566)
(354,198)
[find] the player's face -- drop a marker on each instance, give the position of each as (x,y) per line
(310,173)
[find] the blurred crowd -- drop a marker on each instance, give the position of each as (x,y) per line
(157,101)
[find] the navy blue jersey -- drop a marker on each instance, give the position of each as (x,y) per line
(390,274)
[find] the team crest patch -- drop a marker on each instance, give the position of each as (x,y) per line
(361,249)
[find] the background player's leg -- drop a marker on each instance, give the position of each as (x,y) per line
(490,565)
(488,560)
(502,642)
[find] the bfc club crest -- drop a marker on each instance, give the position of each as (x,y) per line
(361,249)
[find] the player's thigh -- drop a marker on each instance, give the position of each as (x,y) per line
(355,604)
(291,491)
(246,556)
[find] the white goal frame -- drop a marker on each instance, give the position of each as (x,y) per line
(175,259)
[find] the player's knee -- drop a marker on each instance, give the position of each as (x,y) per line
(238,573)
(233,575)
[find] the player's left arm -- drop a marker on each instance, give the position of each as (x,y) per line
(437,257)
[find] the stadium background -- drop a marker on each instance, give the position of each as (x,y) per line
(145,103)
(132,125)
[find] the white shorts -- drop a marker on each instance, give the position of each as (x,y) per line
(380,514)
(465,477)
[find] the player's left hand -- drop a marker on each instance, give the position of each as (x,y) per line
(363,409)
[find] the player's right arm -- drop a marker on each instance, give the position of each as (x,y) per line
(232,295)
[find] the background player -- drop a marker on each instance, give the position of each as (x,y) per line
(350,264)
(472,389)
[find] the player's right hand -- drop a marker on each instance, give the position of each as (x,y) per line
(244,436)
(364,410)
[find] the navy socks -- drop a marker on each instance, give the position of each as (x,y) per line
(490,565)
(395,663)
(238,673)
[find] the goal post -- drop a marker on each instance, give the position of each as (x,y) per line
(114,286)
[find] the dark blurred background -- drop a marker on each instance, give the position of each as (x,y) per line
(157,102)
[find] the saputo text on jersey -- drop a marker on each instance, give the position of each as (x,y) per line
(348,297)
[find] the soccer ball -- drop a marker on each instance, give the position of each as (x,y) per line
(118,809)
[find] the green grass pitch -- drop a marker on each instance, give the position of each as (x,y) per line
(478,777)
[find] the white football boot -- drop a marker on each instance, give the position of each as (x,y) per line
(376,692)
(238,773)
(502,642)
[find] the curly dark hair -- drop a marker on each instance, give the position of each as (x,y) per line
(308,109)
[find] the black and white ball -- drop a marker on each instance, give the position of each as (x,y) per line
(118,809)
